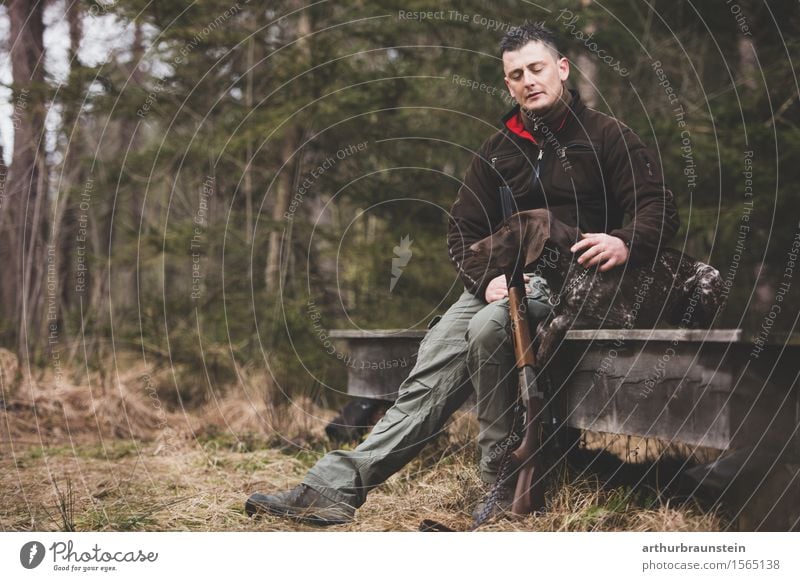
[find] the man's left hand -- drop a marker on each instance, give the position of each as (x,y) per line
(603,249)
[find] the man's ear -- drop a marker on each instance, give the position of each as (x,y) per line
(563,69)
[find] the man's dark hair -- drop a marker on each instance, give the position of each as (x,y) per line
(519,36)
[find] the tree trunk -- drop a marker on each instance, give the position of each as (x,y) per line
(283,187)
(587,77)
(8,295)
(285,182)
(748,68)
(248,172)
(68,217)
(26,192)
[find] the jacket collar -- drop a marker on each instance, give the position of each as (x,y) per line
(513,119)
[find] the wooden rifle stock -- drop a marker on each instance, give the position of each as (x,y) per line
(526,460)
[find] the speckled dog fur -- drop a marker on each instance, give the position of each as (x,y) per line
(674,288)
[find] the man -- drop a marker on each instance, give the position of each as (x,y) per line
(589,170)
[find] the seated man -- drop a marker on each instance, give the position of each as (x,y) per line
(553,152)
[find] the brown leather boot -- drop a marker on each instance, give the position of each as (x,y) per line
(301,503)
(501,507)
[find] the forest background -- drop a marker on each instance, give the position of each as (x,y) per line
(208,188)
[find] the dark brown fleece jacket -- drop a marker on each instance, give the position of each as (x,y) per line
(589,169)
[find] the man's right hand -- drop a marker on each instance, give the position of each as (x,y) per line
(498,288)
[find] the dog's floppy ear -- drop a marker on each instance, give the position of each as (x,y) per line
(535,233)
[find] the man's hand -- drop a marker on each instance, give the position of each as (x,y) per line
(498,288)
(604,249)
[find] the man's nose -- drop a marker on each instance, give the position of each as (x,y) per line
(530,78)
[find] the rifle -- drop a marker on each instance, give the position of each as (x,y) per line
(526,459)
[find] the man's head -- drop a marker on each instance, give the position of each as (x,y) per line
(534,68)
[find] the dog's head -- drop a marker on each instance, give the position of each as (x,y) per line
(522,238)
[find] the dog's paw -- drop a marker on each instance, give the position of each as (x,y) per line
(708,292)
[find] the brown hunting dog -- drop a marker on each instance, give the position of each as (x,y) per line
(674,288)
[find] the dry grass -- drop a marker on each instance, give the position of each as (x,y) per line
(203,487)
(78,457)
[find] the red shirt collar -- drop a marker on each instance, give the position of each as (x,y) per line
(515,125)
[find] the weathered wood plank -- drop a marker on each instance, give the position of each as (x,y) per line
(378,362)
(378,334)
(704,335)
(697,387)
(673,390)
(707,335)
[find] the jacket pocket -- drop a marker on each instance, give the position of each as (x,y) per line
(575,170)
(647,168)
(512,169)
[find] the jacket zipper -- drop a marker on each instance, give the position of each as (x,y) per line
(498,157)
(536,166)
(562,151)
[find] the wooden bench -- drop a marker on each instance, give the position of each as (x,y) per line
(701,388)
(696,387)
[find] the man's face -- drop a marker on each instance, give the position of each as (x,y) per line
(534,76)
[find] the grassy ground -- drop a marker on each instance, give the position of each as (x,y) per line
(84,458)
(124,485)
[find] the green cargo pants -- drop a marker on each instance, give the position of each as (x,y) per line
(469,346)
